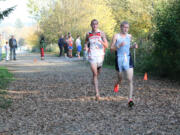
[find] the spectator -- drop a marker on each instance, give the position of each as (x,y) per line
(60,44)
(7,50)
(78,46)
(13,46)
(65,46)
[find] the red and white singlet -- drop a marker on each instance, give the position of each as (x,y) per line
(96,49)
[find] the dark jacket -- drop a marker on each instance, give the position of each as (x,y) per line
(61,42)
(42,43)
(11,45)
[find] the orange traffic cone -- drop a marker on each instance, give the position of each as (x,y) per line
(145,76)
(35,60)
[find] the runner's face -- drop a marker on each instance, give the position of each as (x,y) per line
(94,25)
(125,28)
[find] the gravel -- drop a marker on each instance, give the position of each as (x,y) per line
(56,97)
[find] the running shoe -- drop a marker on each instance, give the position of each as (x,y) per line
(130,103)
(116,88)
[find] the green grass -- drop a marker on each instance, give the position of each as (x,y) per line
(113,67)
(5,78)
(109,66)
(3,55)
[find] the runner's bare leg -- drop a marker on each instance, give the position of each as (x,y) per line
(95,78)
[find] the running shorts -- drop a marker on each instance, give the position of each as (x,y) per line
(79,48)
(131,63)
(96,60)
(70,47)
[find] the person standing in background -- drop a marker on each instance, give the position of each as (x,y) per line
(42,46)
(13,46)
(65,44)
(7,50)
(78,46)
(60,44)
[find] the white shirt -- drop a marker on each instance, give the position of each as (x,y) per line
(78,42)
(6,46)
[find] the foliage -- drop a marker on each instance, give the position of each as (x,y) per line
(137,12)
(167,39)
(109,57)
(6,12)
(36,7)
(74,16)
(32,38)
(5,78)
(144,57)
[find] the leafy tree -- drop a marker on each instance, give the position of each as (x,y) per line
(74,16)
(167,39)
(6,12)
(37,6)
(137,12)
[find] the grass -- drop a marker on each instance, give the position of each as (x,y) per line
(3,55)
(5,78)
(113,67)
(109,66)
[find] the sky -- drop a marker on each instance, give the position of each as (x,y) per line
(21,12)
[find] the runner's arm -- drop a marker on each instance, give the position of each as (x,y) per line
(113,47)
(104,41)
(86,42)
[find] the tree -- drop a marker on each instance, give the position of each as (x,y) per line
(36,7)
(6,12)
(74,16)
(167,39)
(138,13)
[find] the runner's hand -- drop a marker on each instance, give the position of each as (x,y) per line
(135,45)
(121,44)
(101,42)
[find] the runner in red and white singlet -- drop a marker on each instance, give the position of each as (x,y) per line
(96,43)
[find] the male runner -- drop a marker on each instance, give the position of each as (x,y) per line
(96,43)
(121,44)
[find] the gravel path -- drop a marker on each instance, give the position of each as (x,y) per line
(56,97)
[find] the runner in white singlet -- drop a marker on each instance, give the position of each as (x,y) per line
(96,43)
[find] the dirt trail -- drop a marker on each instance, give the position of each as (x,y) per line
(56,97)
